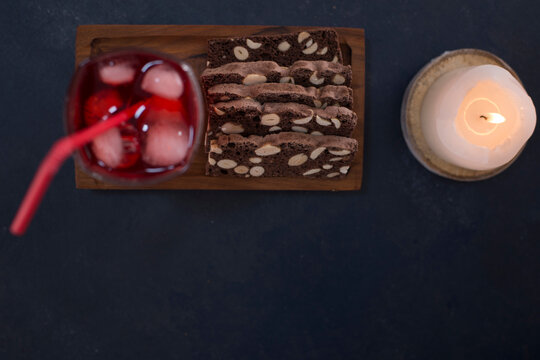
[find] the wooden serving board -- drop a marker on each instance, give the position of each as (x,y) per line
(189,43)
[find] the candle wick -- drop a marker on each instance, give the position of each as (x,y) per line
(483,117)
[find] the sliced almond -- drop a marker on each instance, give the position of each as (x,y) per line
(339,152)
(218,111)
(322,51)
(241,169)
(255,160)
(338,79)
(336,122)
(304,120)
(315,153)
(311,49)
(327,166)
(286,79)
(252,44)
(316,133)
(321,121)
(335,59)
(253,79)
(299,129)
(226,164)
(297,160)
(344,169)
(309,42)
(241,53)
(274,128)
(232,128)
(316,80)
(303,36)
(267,150)
(311,172)
(211,161)
(317,103)
(215,149)
(284,46)
(336,159)
(334,174)
(256,171)
(270,119)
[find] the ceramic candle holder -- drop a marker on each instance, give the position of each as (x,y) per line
(412,107)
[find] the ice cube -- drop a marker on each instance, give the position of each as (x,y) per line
(164,81)
(167,143)
(108,147)
(116,73)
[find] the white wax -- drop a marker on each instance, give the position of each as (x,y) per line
(477,117)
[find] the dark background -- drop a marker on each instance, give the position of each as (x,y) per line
(411,267)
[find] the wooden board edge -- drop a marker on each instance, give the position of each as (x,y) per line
(164,186)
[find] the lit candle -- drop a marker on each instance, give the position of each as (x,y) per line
(477,117)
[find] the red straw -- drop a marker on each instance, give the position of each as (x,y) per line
(59,152)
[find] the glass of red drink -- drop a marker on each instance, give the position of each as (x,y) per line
(159,141)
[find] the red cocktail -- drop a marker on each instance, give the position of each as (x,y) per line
(133,117)
(155,144)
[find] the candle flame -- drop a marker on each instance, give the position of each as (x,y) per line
(494,118)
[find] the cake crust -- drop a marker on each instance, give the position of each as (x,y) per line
(279,92)
(305,73)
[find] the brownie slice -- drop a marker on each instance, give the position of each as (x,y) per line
(284,49)
(279,92)
(305,73)
(247,116)
(284,154)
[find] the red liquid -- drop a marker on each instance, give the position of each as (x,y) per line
(160,138)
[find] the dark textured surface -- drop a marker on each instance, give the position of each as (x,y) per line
(412,267)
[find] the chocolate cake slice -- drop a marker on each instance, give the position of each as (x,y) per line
(305,73)
(284,49)
(284,154)
(247,116)
(279,92)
